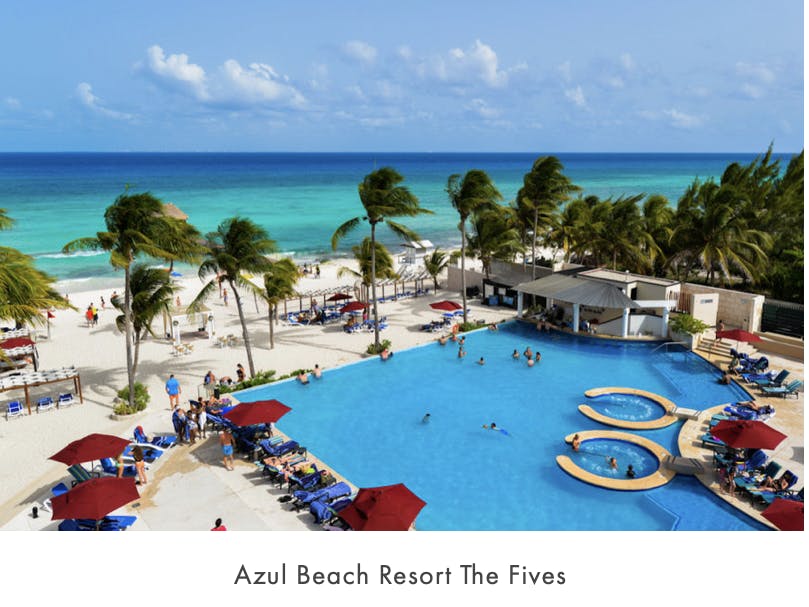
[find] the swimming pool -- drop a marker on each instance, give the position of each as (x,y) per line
(365,421)
(594,454)
(629,407)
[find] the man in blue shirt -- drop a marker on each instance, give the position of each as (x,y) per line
(173,390)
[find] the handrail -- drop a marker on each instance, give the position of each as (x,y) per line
(669,343)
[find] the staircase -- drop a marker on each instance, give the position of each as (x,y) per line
(716,347)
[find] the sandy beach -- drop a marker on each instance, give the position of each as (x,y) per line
(26,474)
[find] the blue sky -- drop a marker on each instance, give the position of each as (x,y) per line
(359,75)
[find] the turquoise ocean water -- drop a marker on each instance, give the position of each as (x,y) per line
(299,198)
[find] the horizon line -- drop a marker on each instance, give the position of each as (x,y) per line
(369,152)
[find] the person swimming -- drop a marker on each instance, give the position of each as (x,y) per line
(613,462)
(493,426)
(426,418)
(461,352)
(528,353)
(481,361)
(515,355)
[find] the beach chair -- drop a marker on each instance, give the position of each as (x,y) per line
(784,391)
(775,381)
(327,494)
(282,449)
(56,490)
(110,522)
(65,400)
(751,377)
(324,513)
(307,482)
(707,440)
(750,480)
(45,404)
(768,496)
(108,467)
(80,474)
(14,409)
(161,442)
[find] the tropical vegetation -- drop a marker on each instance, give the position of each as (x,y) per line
(136,226)
(239,247)
(383,198)
(279,285)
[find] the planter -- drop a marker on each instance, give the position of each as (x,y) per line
(691,341)
(136,415)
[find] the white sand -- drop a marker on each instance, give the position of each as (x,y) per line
(26,474)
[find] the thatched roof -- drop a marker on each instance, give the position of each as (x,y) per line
(171,210)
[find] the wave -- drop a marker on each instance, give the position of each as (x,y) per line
(68,255)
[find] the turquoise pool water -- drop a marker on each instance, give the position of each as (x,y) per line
(628,407)
(593,455)
(365,420)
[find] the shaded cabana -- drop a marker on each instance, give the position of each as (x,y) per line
(177,316)
(579,292)
(26,381)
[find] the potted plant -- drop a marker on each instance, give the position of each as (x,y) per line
(687,329)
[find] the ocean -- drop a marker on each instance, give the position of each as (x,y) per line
(299,198)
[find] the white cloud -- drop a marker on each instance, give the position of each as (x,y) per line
(176,71)
(258,84)
(615,82)
(84,92)
(482,109)
(576,95)
(232,86)
(13,103)
(681,120)
(358,50)
(405,52)
(756,71)
(476,64)
(627,62)
(355,91)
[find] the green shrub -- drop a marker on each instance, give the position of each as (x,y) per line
(140,401)
(685,323)
(374,349)
(468,326)
(260,378)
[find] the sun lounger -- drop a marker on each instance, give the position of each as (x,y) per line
(308,482)
(775,381)
(150,452)
(80,474)
(327,494)
(752,377)
(710,442)
(160,442)
(282,449)
(325,513)
(108,523)
(784,391)
(14,409)
(751,480)
(65,400)
(108,467)
(45,404)
(768,496)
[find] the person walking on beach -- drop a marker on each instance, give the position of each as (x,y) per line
(218,526)
(209,381)
(226,440)
(173,390)
(95,314)
(88,315)
(225,296)
(140,464)
(103,304)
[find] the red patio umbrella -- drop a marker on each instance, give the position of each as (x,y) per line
(738,335)
(388,508)
(354,306)
(446,306)
(787,515)
(95,498)
(747,434)
(339,297)
(91,447)
(257,412)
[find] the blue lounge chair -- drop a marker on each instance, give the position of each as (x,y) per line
(325,495)
(324,512)
(282,449)
(308,482)
(775,381)
(110,468)
(747,482)
(14,409)
(707,440)
(784,391)
(108,523)
(768,496)
(45,404)
(65,400)
(751,377)
(161,442)
(150,453)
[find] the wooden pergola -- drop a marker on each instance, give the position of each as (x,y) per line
(26,381)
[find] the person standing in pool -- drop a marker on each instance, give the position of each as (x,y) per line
(481,361)
(576,442)
(613,463)
(515,355)
(426,418)
(630,471)
(528,353)
(461,352)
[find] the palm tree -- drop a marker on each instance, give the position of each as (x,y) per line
(279,285)
(495,236)
(438,261)
(472,194)
(384,267)
(152,294)
(25,290)
(712,232)
(5,221)
(382,198)
(658,218)
(136,225)
(545,187)
(237,247)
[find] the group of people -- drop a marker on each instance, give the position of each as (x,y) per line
(530,358)
(575,444)
(313,269)
(91,315)
(303,376)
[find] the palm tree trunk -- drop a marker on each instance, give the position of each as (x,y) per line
(137,356)
(130,368)
(534,244)
(373,284)
(245,335)
(272,342)
(463,266)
